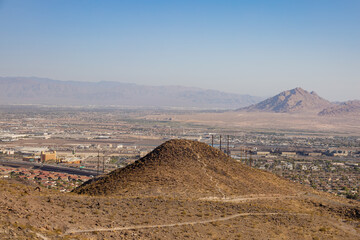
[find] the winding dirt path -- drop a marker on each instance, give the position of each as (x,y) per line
(247,198)
(74,231)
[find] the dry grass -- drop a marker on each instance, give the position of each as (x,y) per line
(187,169)
(164,188)
(70,211)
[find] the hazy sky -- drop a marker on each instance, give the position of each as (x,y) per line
(254,47)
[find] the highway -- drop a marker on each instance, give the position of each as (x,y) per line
(49,167)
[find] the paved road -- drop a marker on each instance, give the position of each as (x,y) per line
(49,167)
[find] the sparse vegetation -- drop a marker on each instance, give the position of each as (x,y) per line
(152,213)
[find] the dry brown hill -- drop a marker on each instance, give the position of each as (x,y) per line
(295,100)
(29,214)
(183,168)
(347,108)
(169,194)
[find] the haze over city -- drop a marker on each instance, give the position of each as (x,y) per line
(248,47)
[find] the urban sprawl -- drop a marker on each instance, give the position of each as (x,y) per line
(60,148)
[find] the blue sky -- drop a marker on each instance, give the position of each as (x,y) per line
(250,47)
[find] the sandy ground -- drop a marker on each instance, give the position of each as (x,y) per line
(29,214)
(306,122)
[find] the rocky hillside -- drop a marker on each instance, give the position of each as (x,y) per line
(346,108)
(26,213)
(181,190)
(295,100)
(19,90)
(186,168)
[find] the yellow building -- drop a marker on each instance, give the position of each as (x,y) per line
(262,153)
(315,154)
(288,154)
(48,156)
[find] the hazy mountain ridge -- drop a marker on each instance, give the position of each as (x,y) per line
(349,107)
(290,101)
(32,90)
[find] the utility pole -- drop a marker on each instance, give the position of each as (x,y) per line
(104,162)
(246,155)
(212,140)
(241,155)
(227,147)
(220,142)
(98,163)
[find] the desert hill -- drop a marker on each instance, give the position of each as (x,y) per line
(177,192)
(295,100)
(29,214)
(346,108)
(32,90)
(185,168)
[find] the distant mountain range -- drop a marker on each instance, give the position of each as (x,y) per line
(346,108)
(298,100)
(295,100)
(43,91)
(32,90)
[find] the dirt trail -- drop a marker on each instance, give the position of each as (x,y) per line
(39,235)
(210,177)
(247,198)
(340,224)
(74,231)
